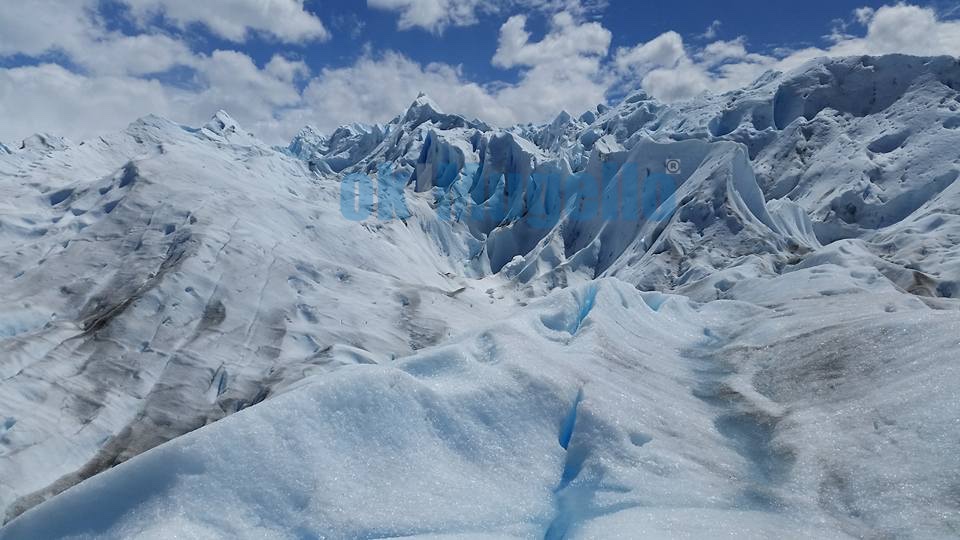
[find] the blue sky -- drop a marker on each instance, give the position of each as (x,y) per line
(83,67)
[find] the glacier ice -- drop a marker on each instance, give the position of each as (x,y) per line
(519,333)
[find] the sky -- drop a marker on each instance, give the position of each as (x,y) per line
(81,68)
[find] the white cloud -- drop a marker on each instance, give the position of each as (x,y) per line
(670,70)
(545,90)
(437,15)
(567,40)
(899,28)
(433,15)
(50,98)
(665,50)
(903,29)
(681,82)
(287,70)
(133,55)
(75,27)
(568,68)
(712,30)
(721,51)
(667,71)
(562,71)
(864,14)
(377,88)
(285,20)
(75,30)
(32,28)
(115,85)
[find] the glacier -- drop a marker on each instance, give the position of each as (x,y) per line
(205,336)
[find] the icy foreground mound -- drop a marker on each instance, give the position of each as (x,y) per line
(600,412)
(731,316)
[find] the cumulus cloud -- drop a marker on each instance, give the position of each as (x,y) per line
(671,70)
(566,40)
(437,15)
(378,87)
(110,78)
(902,29)
(665,50)
(864,14)
(561,71)
(76,28)
(117,54)
(433,15)
(120,76)
(50,98)
(32,28)
(286,69)
(668,70)
(285,20)
(712,30)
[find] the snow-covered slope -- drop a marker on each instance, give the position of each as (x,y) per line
(598,412)
(163,278)
(730,316)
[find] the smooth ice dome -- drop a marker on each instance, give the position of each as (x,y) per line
(521,335)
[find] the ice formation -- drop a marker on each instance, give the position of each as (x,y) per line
(732,316)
